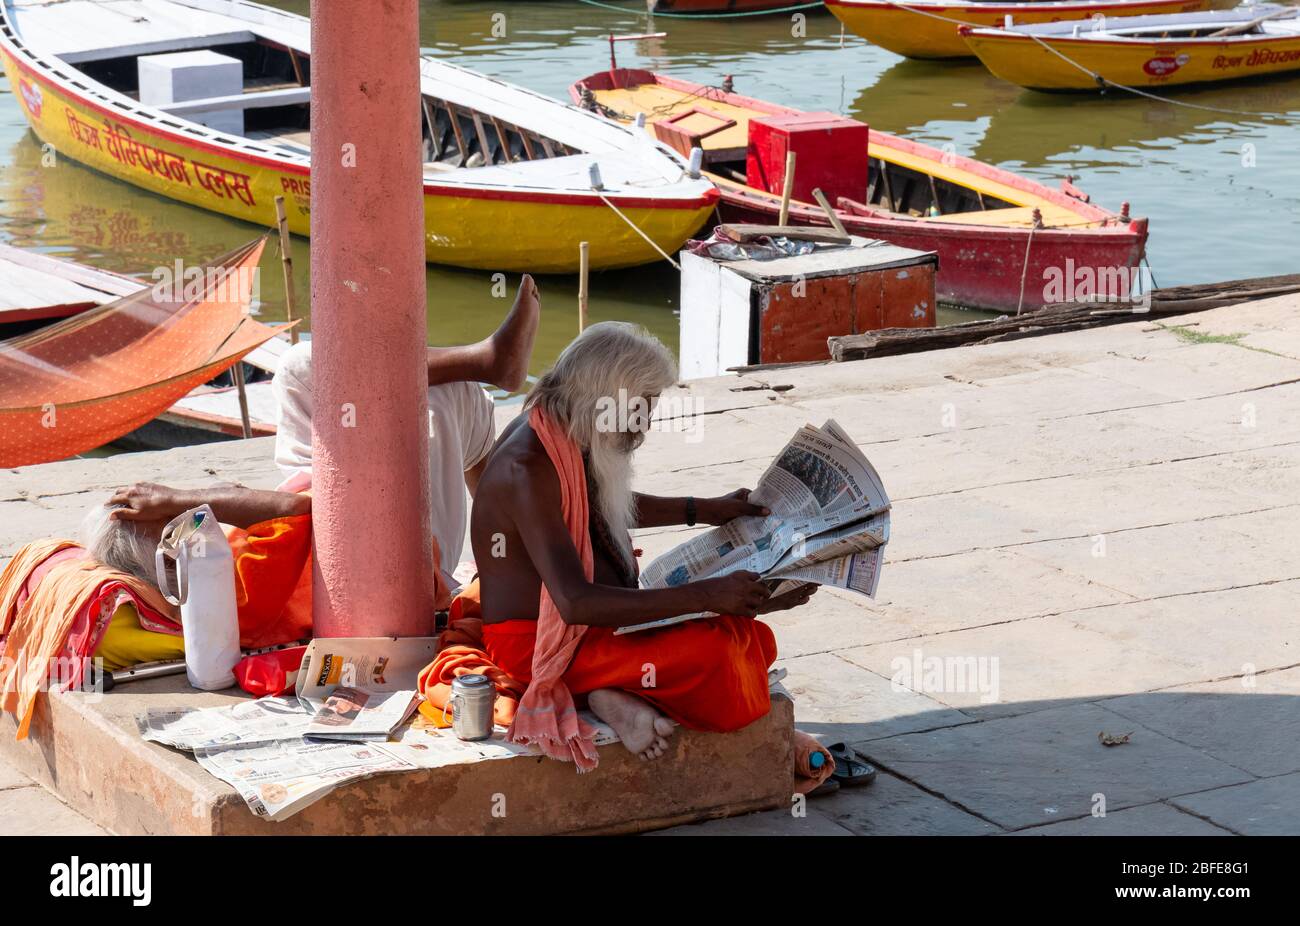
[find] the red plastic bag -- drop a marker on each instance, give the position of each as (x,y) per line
(270,673)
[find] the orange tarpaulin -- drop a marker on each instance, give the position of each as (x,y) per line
(85,381)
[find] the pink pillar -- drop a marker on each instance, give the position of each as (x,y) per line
(370,461)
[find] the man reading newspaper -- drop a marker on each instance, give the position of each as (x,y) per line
(558,579)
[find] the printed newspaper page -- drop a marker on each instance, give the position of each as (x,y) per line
(829,524)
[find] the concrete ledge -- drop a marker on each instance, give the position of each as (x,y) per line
(86,749)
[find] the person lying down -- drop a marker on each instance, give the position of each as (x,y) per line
(558,575)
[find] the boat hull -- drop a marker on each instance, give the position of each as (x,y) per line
(1157,63)
(982,268)
(917,35)
(498,229)
(982,255)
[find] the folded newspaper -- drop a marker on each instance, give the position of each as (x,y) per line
(362,688)
(829,524)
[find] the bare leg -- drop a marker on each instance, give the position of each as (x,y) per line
(643,730)
(502,359)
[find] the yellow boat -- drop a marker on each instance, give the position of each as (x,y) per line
(1144,51)
(508,180)
(928,28)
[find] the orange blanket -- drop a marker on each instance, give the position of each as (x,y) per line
(53,616)
(460,653)
(273,569)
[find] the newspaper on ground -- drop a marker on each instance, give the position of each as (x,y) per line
(829,524)
(243,723)
(267,749)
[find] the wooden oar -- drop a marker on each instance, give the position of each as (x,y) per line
(830,213)
(286,261)
(1246,27)
(787,189)
(584,264)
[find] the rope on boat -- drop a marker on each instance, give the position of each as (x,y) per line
(784,9)
(1024,271)
(1103,83)
(632,225)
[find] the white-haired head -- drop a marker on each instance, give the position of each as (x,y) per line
(122,545)
(601,390)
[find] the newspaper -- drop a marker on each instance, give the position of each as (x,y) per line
(829,524)
(362,688)
(272,752)
(244,723)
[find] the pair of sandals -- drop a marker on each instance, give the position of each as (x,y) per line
(850,771)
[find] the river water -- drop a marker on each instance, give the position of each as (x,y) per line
(1222,191)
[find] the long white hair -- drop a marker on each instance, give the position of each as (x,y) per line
(600,391)
(120,545)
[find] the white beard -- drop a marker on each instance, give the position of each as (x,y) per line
(611,471)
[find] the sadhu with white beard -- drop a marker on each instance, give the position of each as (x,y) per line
(557,574)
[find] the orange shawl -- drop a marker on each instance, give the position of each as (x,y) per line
(68,609)
(460,652)
(547,717)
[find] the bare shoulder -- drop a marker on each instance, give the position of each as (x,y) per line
(520,467)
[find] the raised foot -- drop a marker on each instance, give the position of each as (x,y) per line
(642,729)
(511,346)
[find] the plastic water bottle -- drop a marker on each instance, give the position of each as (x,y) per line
(205,591)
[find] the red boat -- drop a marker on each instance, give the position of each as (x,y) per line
(1005,242)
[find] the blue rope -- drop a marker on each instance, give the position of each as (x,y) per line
(784,9)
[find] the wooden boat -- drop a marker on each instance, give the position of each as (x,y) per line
(497,156)
(36,289)
(1144,51)
(993,228)
(93,377)
(928,28)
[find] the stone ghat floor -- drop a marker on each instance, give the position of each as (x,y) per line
(1093,532)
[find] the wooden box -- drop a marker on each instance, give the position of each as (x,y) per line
(737,313)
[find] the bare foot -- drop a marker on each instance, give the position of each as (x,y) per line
(643,730)
(512,345)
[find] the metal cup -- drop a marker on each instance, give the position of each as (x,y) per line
(471,703)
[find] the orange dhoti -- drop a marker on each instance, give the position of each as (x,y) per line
(708,674)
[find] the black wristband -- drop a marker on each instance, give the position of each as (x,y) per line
(690,511)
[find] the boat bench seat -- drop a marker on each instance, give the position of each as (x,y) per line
(1018,217)
(285,96)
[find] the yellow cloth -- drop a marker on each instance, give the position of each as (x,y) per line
(126,643)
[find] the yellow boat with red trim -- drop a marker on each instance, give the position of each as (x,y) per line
(508,174)
(1144,51)
(928,28)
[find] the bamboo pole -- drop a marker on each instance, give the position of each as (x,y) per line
(584,265)
(286,261)
(830,213)
(237,371)
(787,189)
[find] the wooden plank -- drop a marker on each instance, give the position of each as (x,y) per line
(1061,317)
(528,144)
(741,232)
(503,138)
(455,128)
(431,120)
(484,147)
